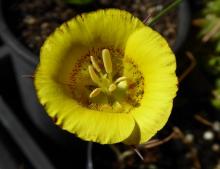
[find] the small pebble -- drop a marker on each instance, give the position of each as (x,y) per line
(30,20)
(208,135)
(215,147)
(189,138)
(45,25)
(143,9)
(216,126)
(151,10)
(159,7)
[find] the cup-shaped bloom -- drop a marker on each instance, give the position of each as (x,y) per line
(106,77)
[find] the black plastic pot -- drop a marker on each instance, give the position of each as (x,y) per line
(25,62)
(184,22)
(24,141)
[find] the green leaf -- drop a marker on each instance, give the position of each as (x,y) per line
(172,5)
(218,46)
(216,103)
(214,64)
(78,2)
(207,27)
(217,83)
(213,7)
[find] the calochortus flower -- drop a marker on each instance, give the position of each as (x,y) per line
(108,78)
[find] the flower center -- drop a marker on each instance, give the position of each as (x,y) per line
(104,80)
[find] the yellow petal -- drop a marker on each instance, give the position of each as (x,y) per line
(151,53)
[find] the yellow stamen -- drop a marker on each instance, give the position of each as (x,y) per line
(107,60)
(120,79)
(95,92)
(112,87)
(95,64)
(104,81)
(93,75)
(122,85)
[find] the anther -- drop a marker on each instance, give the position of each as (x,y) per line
(93,75)
(107,60)
(112,87)
(122,85)
(95,64)
(120,79)
(95,92)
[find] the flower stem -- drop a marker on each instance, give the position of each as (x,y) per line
(167,9)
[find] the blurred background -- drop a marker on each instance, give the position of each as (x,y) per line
(190,140)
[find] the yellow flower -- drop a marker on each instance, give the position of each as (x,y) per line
(107,78)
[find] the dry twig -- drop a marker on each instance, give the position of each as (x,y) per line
(191,66)
(203,120)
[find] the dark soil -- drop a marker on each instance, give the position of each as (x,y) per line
(38,18)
